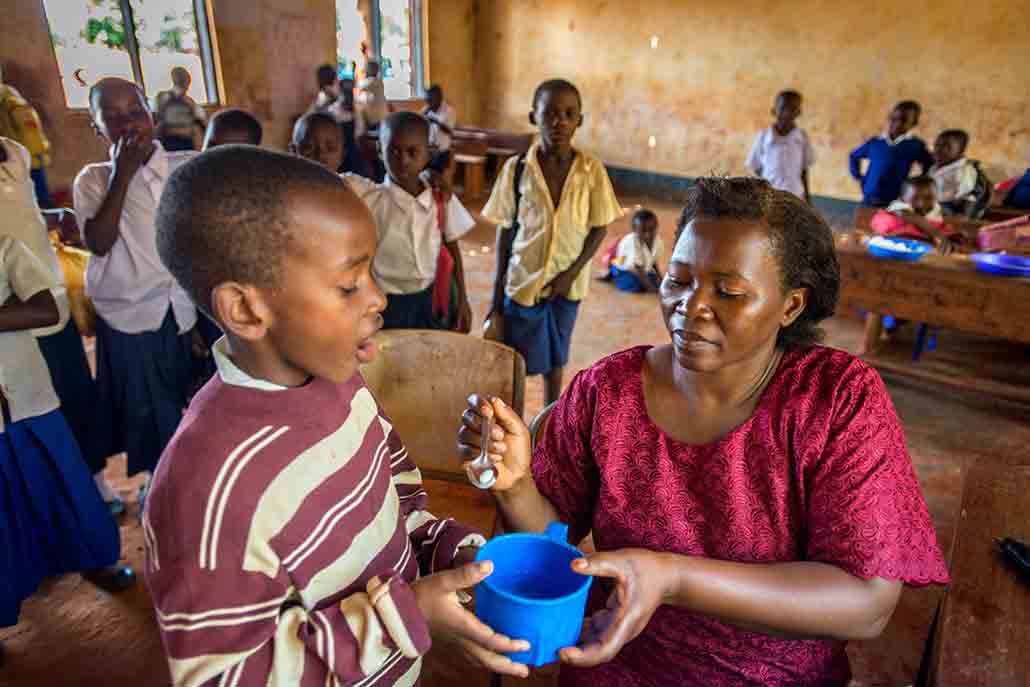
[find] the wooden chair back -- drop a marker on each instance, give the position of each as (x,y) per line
(422,379)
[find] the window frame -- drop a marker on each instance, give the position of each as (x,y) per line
(205,39)
(416,28)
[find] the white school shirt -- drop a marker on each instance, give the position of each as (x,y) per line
(130,286)
(633,254)
(780,160)
(409,233)
(955,181)
(24,376)
(437,136)
(20,217)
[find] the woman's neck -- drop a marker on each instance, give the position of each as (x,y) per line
(734,385)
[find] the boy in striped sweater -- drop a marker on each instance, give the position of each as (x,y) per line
(288,540)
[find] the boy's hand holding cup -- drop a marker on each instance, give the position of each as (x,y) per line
(510,446)
(450,623)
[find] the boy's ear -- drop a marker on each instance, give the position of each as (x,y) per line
(532,117)
(240,310)
(580,122)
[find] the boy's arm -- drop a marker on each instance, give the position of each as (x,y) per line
(562,283)
(754,157)
(804,183)
(437,543)
(464,309)
(855,160)
(222,624)
(925,159)
(100,227)
(500,210)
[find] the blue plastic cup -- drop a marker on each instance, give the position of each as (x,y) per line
(532,593)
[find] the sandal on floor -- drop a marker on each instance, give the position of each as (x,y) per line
(112,579)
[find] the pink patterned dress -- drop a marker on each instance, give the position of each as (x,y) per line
(819,472)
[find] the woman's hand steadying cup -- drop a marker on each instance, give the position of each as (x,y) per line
(510,447)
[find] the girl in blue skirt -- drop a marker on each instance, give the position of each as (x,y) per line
(52,520)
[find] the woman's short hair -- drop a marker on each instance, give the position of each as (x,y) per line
(802,243)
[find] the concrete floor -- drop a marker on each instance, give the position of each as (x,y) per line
(72,634)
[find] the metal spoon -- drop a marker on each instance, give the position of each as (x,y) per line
(481,471)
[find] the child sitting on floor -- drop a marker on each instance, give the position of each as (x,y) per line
(52,519)
(413,221)
(552,206)
(633,260)
(232,126)
(890,156)
(962,188)
(782,154)
(288,540)
(917,216)
(145,321)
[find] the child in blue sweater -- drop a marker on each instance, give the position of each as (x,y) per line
(890,156)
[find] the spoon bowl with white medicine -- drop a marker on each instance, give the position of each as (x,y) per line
(481,472)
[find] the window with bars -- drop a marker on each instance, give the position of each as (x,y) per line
(138,40)
(392,35)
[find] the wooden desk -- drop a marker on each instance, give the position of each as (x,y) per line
(946,291)
(983,633)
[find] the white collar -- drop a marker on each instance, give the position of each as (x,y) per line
(424,199)
(230,373)
(903,137)
(952,165)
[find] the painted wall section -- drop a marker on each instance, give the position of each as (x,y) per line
(707,88)
(453,47)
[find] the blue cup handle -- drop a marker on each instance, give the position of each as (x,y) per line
(557,531)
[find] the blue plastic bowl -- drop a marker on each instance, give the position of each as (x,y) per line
(917,249)
(532,593)
(1004,265)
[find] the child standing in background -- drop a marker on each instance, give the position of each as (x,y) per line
(413,222)
(317,137)
(890,156)
(371,98)
(442,119)
(145,321)
(962,189)
(232,125)
(552,207)
(634,267)
(327,89)
(289,540)
(782,154)
(52,520)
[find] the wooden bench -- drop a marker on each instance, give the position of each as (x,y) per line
(983,631)
(470,158)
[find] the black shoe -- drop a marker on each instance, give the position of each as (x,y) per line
(112,579)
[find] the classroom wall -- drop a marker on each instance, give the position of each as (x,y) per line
(452,55)
(708,87)
(269,50)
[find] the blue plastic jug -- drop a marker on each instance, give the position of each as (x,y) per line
(532,593)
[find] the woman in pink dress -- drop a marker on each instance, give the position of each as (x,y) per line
(749,491)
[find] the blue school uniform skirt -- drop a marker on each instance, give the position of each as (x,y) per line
(143,384)
(542,334)
(73,382)
(625,280)
(52,519)
(409,310)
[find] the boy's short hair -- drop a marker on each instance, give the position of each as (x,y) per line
(957,134)
(97,88)
(435,88)
(802,243)
(235,119)
(789,93)
(306,121)
(225,216)
(556,85)
(402,121)
(917,182)
(644,215)
(326,75)
(910,106)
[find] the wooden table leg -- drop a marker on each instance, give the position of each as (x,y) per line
(873,331)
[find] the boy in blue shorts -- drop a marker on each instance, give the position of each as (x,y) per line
(890,156)
(552,207)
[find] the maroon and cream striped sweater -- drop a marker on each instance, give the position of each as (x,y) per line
(283,527)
